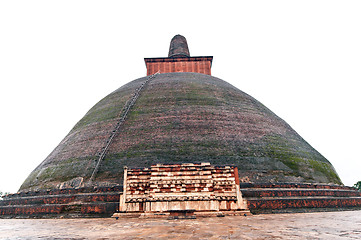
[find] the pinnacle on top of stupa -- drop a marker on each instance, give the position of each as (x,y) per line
(178,47)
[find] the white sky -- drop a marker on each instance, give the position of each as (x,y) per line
(58,58)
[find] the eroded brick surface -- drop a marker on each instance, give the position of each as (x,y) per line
(293,203)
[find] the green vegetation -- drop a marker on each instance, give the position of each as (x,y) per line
(358,185)
(2,194)
(326,169)
(299,160)
(63,171)
(102,111)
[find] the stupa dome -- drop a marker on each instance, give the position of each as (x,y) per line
(181,116)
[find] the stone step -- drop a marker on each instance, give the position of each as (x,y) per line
(287,192)
(260,205)
(168,215)
(94,209)
(62,199)
(48,192)
(294,185)
(300,197)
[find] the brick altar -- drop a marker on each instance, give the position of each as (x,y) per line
(200,188)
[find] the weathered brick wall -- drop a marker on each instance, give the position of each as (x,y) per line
(100,208)
(33,210)
(95,202)
(138,181)
(224,180)
(169,179)
(295,185)
(293,203)
(78,210)
(165,187)
(66,191)
(299,193)
(268,197)
(61,199)
(176,179)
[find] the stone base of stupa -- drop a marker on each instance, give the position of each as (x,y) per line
(104,202)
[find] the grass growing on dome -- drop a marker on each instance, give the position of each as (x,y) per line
(63,171)
(102,111)
(300,161)
(110,106)
(326,169)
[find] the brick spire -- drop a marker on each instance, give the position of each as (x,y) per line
(178,47)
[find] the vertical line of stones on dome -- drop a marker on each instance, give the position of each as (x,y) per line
(121,118)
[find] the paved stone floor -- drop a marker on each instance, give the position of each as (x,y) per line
(325,225)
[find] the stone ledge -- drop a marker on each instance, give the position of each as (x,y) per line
(94,209)
(260,204)
(166,215)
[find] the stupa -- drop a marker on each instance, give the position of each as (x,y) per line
(179,113)
(183,114)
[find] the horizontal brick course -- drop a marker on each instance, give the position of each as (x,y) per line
(293,203)
(299,193)
(295,185)
(77,210)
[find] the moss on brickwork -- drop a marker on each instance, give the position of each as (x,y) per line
(184,117)
(51,175)
(300,160)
